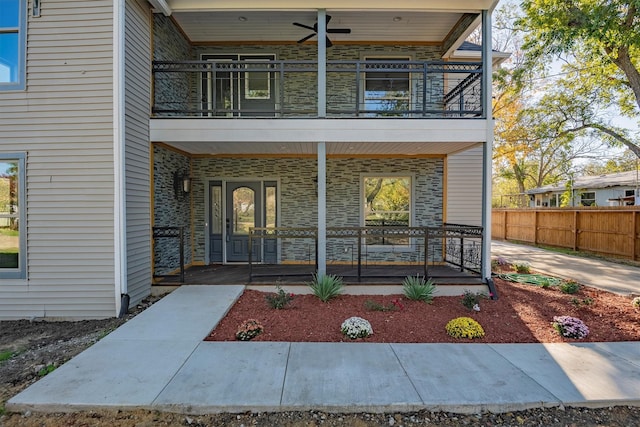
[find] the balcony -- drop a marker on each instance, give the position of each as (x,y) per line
(384,89)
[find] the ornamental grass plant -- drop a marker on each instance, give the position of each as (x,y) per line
(417,288)
(326,286)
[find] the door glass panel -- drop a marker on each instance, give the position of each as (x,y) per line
(243,210)
(216,210)
(270,206)
(224,93)
(257,85)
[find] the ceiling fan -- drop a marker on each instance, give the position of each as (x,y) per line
(315,31)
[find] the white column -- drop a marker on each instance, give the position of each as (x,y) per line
(322,209)
(322,149)
(488,145)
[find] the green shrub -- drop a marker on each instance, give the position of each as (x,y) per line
(522,267)
(569,287)
(471,299)
(326,286)
(280,299)
(635,302)
(376,306)
(418,289)
(464,327)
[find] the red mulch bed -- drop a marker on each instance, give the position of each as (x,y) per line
(522,314)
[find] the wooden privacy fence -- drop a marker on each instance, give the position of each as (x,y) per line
(605,231)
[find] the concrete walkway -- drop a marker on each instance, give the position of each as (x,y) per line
(612,277)
(158,361)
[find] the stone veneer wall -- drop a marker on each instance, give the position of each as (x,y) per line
(169,210)
(298,198)
(172,90)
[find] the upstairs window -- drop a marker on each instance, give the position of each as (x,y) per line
(387,87)
(12,44)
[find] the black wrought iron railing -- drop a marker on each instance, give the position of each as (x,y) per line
(288,89)
(454,245)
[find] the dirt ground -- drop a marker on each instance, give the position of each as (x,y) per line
(34,348)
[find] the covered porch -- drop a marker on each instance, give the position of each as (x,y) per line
(300,274)
(450,254)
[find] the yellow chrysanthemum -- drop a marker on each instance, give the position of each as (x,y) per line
(464,327)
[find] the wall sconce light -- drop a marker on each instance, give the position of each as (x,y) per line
(181,184)
(35,8)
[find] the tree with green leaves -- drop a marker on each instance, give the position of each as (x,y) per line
(531,146)
(599,44)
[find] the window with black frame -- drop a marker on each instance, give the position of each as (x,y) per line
(387,86)
(387,207)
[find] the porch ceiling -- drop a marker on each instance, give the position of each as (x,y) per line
(364,149)
(277,26)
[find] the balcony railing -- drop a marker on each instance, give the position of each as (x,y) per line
(289,89)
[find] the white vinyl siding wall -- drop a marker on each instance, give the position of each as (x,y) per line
(63,122)
(464,187)
(137,108)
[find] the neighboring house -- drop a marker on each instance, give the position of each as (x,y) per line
(614,189)
(119,117)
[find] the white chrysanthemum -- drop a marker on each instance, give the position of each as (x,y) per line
(356,327)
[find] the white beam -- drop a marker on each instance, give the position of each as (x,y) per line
(161,6)
(313,130)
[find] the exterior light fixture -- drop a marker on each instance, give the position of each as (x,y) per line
(397,18)
(35,8)
(181,184)
(242,18)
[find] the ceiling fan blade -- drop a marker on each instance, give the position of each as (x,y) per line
(339,31)
(328,19)
(304,39)
(297,24)
(329,44)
